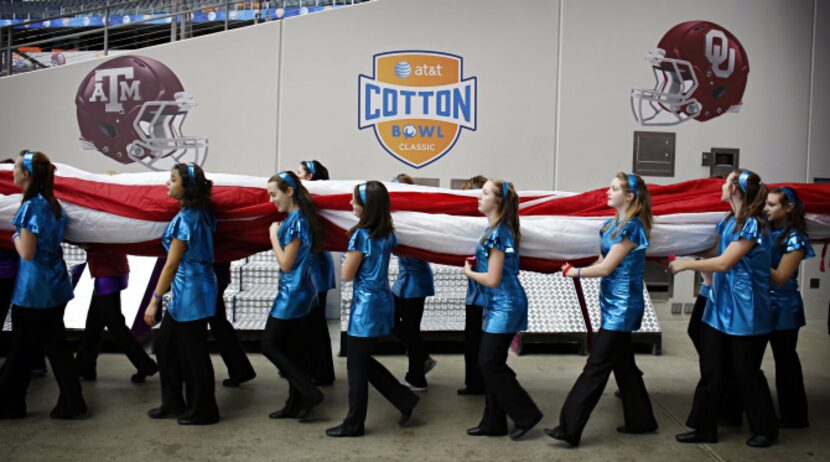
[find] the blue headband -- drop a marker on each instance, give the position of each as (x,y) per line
(632,184)
(505,189)
(742,179)
(309,165)
(287,178)
(27,160)
(362,191)
(790,193)
(191,173)
(396,180)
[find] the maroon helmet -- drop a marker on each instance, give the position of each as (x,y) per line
(700,70)
(132,108)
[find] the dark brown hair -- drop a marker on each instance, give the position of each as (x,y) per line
(320,171)
(405,179)
(303,199)
(476,182)
(508,208)
(795,217)
(753,199)
(377,211)
(196,190)
(42,181)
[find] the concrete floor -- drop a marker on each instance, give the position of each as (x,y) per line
(118,428)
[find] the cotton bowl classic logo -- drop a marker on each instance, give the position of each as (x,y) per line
(417,102)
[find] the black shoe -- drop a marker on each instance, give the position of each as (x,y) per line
(557,434)
(234,383)
(519,432)
(478,431)
(469,391)
(141,376)
(624,429)
(341,432)
(759,441)
(617,394)
(309,405)
(284,413)
(695,437)
(161,413)
(191,421)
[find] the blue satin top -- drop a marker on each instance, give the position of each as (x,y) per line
(297,291)
(194,286)
(414,279)
(786,300)
(373,309)
(475,294)
(43,281)
(505,307)
(322,270)
(621,292)
(739,303)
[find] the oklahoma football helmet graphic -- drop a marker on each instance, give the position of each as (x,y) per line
(700,72)
(132,108)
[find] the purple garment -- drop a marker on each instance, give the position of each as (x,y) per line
(106,285)
(8,263)
(8,269)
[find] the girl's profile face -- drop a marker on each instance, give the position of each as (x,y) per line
(175,185)
(19,173)
(281,200)
(303,173)
(774,209)
(357,209)
(487,199)
(617,195)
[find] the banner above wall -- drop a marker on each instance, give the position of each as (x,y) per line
(417,102)
(700,72)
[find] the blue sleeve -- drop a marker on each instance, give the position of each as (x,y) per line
(179,228)
(704,291)
(797,241)
(635,232)
(751,231)
(360,241)
(296,229)
(27,218)
(501,238)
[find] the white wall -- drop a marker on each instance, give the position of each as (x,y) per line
(816,301)
(554,79)
(236,107)
(511,48)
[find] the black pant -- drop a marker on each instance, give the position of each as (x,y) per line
(282,343)
(181,349)
(612,351)
(363,369)
(239,367)
(472,341)
(504,396)
(696,320)
(789,381)
(320,362)
(746,354)
(105,311)
(39,329)
(6,291)
(408,315)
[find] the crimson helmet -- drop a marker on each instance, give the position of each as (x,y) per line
(132,108)
(700,72)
